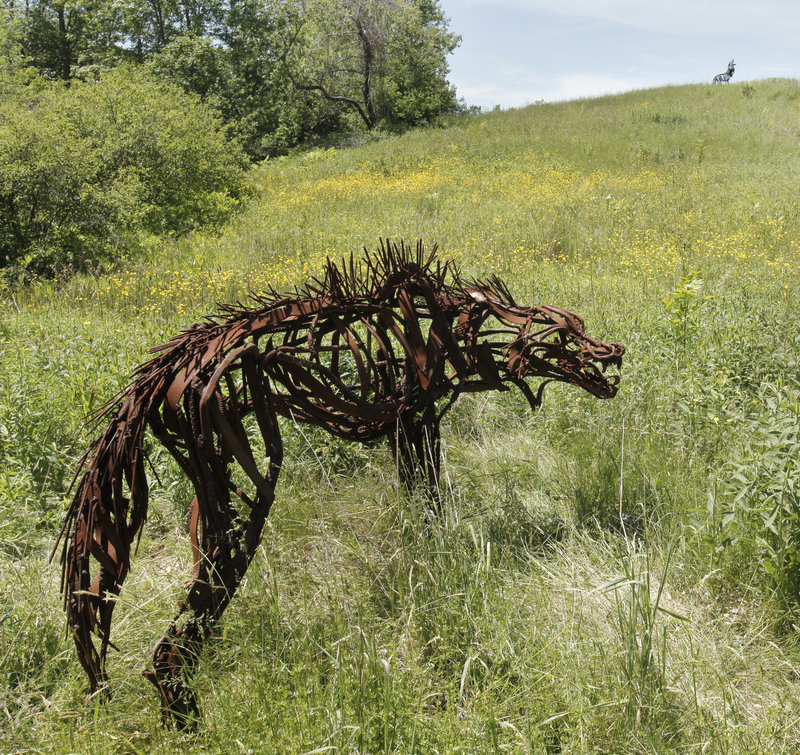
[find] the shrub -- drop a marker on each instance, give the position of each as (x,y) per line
(758,511)
(86,171)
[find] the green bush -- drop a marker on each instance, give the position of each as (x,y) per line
(757,512)
(87,171)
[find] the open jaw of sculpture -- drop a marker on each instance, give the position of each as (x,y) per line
(379,347)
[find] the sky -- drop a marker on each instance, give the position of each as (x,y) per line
(516,52)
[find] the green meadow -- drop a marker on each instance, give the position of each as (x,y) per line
(608,576)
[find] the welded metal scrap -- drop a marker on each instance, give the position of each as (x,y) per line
(379,347)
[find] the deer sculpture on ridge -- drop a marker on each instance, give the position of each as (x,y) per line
(725,78)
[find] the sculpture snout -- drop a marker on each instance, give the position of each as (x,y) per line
(599,357)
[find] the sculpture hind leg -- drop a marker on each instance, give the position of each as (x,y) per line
(225,558)
(227,539)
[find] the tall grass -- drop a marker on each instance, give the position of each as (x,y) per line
(615,576)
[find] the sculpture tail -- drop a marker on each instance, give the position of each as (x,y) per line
(101,524)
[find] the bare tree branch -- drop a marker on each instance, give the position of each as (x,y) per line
(366,111)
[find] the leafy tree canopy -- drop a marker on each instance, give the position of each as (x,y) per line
(279,71)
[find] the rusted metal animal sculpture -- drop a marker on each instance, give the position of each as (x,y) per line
(380,347)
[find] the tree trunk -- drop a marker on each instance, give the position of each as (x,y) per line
(64,50)
(369,59)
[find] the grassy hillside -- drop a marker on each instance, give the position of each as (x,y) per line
(618,576)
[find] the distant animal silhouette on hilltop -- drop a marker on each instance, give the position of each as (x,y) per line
(725,78)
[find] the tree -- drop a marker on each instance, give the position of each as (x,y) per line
(196,64)
(10,57)
(280,72)
(85,171)
(59,36)
(363,54)
(65,39)
(149,26)
(240,75)
(415,87)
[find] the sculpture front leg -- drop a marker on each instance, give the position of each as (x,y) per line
(416,445)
